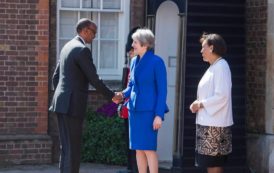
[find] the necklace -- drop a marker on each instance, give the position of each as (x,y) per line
(216,61)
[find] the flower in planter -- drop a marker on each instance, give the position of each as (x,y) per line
(108,109)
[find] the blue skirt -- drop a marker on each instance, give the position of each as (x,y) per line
(141,133)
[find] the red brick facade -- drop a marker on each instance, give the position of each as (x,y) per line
(256,23)
(137,13)
(259,63)
(24,40)
(25,149)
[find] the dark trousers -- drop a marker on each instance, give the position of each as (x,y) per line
(131,154)
(70,135)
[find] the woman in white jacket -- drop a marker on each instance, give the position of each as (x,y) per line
(213,107)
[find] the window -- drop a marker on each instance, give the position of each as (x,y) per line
(112,19)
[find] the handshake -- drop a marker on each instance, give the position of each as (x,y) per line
(118,97)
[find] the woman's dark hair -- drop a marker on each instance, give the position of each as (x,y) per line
(83,23)
(129,39)
(218,43)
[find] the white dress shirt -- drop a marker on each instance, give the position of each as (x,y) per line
(81,39)
(214,91)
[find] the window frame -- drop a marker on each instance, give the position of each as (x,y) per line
(123,29)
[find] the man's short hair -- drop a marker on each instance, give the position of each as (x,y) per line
(83,23)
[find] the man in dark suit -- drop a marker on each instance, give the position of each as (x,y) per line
(71,79)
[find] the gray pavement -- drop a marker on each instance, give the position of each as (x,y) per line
(85,168)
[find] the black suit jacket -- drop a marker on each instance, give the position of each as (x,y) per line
(71,79)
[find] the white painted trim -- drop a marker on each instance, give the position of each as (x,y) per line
(57,30)
(90,10)
(99,40)
(166,46)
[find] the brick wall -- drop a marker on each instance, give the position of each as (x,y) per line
(256,23)
(23,67)
(137,13)
(259,89)
(35,149)
(24,76)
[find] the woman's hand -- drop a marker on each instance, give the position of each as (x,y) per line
(195,106)
(157,123)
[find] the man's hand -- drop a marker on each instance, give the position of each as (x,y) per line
(118,98)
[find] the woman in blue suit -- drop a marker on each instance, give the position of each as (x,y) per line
(147,92)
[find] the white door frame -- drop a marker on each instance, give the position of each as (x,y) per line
(166,46)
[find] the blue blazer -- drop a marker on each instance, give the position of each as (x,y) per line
(147,87)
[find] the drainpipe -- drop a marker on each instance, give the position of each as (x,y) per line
(180,98)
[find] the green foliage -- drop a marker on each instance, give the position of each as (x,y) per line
(104,140)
